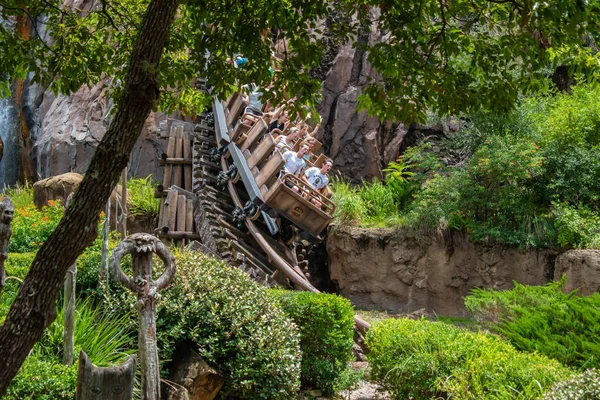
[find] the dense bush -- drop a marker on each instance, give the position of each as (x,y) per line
(326,324)
(530,178)
(585,386)
(543,319)
(16,265)
(41,380)
(372,205)
(424,360)
(32,227)
(235,325)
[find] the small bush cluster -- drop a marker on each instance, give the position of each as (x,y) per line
(372,205)
(424,360)
(326,324)
(140,197)
(43,380)
(235,326)
(544,319)
(16,266)
(21,196)
(32,227)
(585,386)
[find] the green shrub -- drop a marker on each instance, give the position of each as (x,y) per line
(42,380)
(235,325)
(501,372)
(16,265)
(106,338)
(424,360)
(349,206)
(326,324)
(585,386)
(140,197)
(576,226)
(543,319)
(31,227)
(21,196)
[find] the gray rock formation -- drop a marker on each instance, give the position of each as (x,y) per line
(352,139)
(70,128)
(403,271)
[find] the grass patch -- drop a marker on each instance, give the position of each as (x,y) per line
(140,197)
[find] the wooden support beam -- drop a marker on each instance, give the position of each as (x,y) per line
(187,169)
(178,154)
(171,213)
(179,235)
(189,215)
(181,213)
(175,161)
(169,168)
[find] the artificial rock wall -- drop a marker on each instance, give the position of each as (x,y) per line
(404,271)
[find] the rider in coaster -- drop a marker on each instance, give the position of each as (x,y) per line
(317,178)
(294,163)
(288,140)
(311,142)
(280,122)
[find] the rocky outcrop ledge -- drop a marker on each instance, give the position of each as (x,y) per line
(402,270)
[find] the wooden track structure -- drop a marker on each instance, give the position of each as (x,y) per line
(175,221)
(229,220)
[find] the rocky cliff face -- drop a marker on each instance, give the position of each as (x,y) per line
(352,139)
(70,128)
(403,271)
(359,145)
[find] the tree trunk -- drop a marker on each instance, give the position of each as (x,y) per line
(23,30)
(34,309)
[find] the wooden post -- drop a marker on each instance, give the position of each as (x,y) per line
(141,246)
(69,309)
(178,154)
(187,169)
(170,153)
(124,202)
(7,212)
(94,383)
(172,210)
(105,233)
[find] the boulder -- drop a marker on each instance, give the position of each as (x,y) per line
(191,378)
(55,188)
(582,270)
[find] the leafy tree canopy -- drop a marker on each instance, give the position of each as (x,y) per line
(443,55)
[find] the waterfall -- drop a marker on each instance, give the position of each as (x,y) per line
(9,165)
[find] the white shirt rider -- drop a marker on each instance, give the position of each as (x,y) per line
(294,162)
(317,177)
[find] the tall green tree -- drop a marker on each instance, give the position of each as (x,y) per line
(444,55)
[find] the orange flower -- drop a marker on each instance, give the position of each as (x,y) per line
(51,203)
